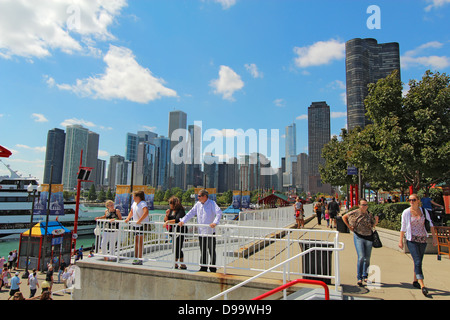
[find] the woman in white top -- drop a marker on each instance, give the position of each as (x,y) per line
(299,213)
(139,214)
(413,228)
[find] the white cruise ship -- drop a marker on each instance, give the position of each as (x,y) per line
(15,209)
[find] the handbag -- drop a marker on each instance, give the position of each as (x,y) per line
(376,240)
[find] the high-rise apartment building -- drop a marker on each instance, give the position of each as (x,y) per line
(177,120)
(366,61)
(291,154)
(79,138)
(319,134)
(54,155)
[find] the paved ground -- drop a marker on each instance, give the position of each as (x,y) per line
(393,275)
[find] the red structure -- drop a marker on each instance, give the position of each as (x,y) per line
(275,200)
(4,153)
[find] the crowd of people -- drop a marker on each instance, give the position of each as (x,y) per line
(10,280)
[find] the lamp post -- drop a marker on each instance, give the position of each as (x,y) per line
(31,193)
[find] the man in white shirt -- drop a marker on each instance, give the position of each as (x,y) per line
(208,213)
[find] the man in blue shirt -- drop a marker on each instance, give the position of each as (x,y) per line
(208,213)
(15,282)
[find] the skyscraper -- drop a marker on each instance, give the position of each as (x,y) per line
(291,154)
(78,138)
(319,134)
(177,120)
(366,61)
(54,155)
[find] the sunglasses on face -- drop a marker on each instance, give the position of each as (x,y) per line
(412,200)
(364,205)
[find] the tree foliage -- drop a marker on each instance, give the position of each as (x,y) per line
(407,141)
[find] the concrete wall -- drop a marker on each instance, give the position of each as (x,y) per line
(112,281)
(389,239)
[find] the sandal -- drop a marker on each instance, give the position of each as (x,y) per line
(360,283)
(425,291)
(183,267)
(416,284)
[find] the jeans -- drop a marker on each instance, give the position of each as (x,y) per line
(364,250)
(417,250)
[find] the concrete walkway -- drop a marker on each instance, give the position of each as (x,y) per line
(393,272)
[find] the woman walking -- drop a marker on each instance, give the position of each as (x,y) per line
(413,229)
(361,222)
(173,216)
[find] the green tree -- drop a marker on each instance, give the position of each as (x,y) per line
(167,195)
(101,195)
(109,194)
(92,195)
(411,133)
(159,196)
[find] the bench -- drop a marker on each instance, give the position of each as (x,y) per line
(441,237)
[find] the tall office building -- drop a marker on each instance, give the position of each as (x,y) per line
(132,143)
(319,134)
(301,178)
(112,168)
(177,120)
(54,155)
(366,61)
(79,138)
(291,154)
(162,175)
(193,167)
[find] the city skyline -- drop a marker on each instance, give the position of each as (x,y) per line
(231,64)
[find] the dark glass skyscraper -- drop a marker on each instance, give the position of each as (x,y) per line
(319,134)
(366,61)
(54,155)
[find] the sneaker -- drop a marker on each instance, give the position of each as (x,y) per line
(137,262)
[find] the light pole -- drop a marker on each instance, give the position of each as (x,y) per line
(31,193)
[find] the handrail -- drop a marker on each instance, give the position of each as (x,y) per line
(275,267)
(294,282)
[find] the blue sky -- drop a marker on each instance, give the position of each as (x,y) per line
(120,66)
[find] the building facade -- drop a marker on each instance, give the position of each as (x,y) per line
(54,155)
(366,61)
(319,134)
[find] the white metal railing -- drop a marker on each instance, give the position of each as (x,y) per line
(258,249)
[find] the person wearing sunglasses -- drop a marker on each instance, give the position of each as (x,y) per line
(208,213)
(361,222)
(414,230)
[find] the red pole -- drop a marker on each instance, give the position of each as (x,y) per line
(77,208)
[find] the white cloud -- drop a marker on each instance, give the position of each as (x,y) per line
(335,115)
(319,53)
(227,133)
(436,4)
(226,4)
(228,83)
(302,117)
(411,58)
(37,149)
(124,79)
(103,153)
(70,122)
(279,102)
(39,117)
(253,70)
(33,29)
